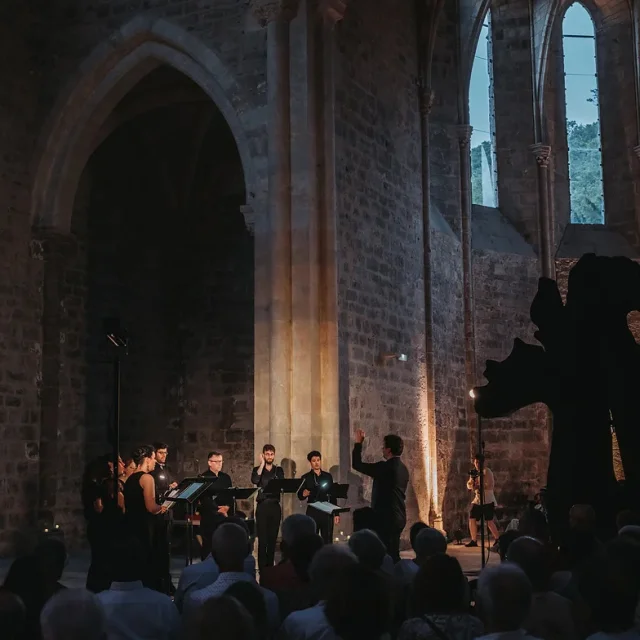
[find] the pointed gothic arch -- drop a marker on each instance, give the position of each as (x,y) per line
(103,79)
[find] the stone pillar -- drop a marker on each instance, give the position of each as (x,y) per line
(276,15)
(464,138)
(542,153)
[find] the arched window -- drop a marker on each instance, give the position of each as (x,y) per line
(484,182)
(582,116)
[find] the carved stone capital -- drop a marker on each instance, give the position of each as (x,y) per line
(427,98)
(464,135)
(266,11)
(637,151)
(542,153)
(249,216)
(333,10)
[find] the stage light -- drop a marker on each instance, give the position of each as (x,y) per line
(472,394)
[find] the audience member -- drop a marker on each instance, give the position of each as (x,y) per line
(405,570)
(359,607)
(611,593)
(440,603)
(326,572)
(283,575)
(504,600)
(25,580)
(73,614)
(248,594)
(12,615)
(506,540)
(132,610)
(550,616)
(223,618)
(202,574)
(229,549)
(368,548)
(301,595)
(626,518)
(52,556)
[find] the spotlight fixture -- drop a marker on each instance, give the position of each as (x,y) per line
(383,358)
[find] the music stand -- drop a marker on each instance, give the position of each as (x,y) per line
(234,494)
(339,491)
(282,486)
(329,511)
(189,490)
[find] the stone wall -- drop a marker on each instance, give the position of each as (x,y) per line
(379,213)
(516,447)
(20,276)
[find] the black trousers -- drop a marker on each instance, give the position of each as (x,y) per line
(390,534)
(324,522)
(268,515)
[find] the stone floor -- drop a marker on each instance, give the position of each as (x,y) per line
(76,571)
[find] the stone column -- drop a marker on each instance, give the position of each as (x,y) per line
(542,153)
(464,138)
(276,15)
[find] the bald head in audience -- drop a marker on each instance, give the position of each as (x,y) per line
(504,598)
(73,614)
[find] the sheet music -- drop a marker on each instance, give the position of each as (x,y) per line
(170,503)
(326,507)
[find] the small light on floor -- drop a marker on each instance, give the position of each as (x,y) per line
(342,533)
(337,539)
(57,526)
(348,537)
(46,530)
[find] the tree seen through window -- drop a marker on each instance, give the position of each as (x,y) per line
(583,118)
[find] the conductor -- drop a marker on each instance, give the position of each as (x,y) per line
(390,480)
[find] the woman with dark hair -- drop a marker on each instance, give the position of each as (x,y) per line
(141,508)
(439,603)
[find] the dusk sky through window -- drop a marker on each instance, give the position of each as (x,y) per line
(580,71)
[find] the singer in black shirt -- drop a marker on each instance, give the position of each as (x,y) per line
(213,509)
(316,487)
(388,496)
(268,511)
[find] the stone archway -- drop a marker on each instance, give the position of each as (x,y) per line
(83,121)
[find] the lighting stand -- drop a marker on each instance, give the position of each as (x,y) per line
(118,339)
(481,471)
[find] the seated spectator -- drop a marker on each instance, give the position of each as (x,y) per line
(506,539)
(427,543)
(52,555)
(366,518)
(627,518)
(504,600)
(229,549)
(301,596)
(440,603)
(248,594)
(326,572)
(223,618)
(550,616)
(12,616)
(405,570)
(610,590)
(25,580)
(132,610)
(359,607)
(200,575)
(631,532)
(73,614)
(283,575)
(368,548)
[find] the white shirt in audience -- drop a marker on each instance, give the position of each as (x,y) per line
(136,613)
(225,580)
(405,571)
(202,574)
(308,624)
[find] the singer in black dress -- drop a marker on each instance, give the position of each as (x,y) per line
(141,511)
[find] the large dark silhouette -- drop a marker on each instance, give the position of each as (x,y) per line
(587,372)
